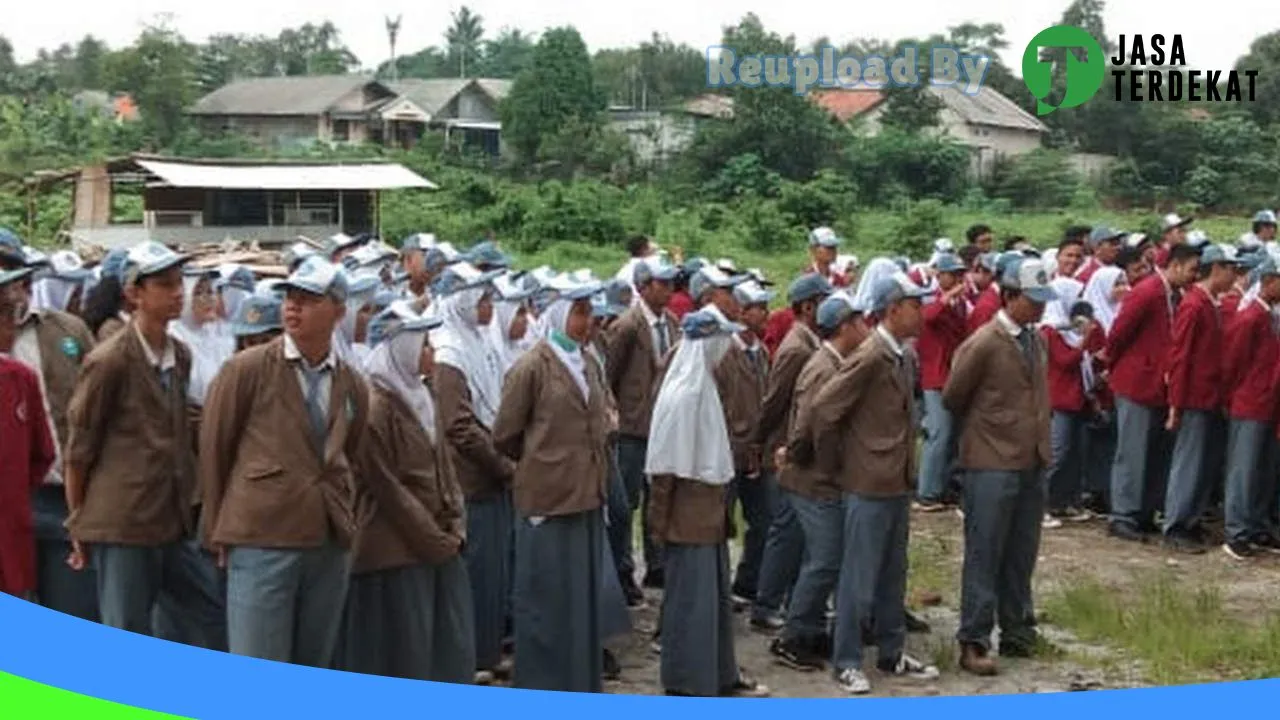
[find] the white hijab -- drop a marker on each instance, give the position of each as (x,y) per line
(53,293)
(508,350)
(1057,314)
(393,365)
(1098,294)
(877,269)
(461,343)
(687,436)
(210,343)
(557,316)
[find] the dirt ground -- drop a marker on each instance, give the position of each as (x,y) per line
(1068,554)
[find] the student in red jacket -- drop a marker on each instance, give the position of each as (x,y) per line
(1136,347)
(1229,302)
(1067,340)
(26,455)
(1195,397)
(942,332)
(1250,360)
(1173,232)
(988,303)
(1104,244)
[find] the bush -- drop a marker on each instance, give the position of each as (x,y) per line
(919,227)
(743,175)
(1037,180)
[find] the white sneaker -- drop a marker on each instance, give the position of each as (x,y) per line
(912,668)
(1051,523)
(853,681)
(960,513)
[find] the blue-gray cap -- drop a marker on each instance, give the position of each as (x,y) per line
(400,316)
(707,323)
(361,282)
(710,277)
(11,276)
(341,241)
(257,314)
(35,257)
(11,247)
(1102,234)
(837,308)
(318,276)
(418,241)
(824,237)
(236,276)
(1213,254)
(948,263)
(1267,217)
(572,288)
(463,276)
(114,263)
(293,256)
(647,271)
(149,258)
(895,288)
(440,256)
(989,261)
(693,265)
(1264,268)
(1028,276)
(487,254)
(617,294)
(809,286)
(752,293)
(1004,258)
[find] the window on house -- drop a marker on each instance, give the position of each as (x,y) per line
(341,130)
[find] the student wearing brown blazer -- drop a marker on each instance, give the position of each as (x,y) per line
(998,391)
(408,610)
(130,472)
(784,544)
(468,388)
(54,344)
(691,463)
(814,494)
(282,503)
(552,423)
(742,377)
(636,348)
(864,435)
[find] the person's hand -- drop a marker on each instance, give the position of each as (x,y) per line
(954,293)
(220,557)
(78,559)
(1171,423)
(780,457)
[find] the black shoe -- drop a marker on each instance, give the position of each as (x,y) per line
(1266,542)
(1239,550)
(1016,650)
(1125,531)
(653,579)
(633,593)
(823,645)
(795,655)
(742,594)
(767,624)
(916,625)
(612,670)
(1179,542)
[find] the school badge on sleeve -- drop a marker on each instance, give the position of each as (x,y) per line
(71,348)
(21,412)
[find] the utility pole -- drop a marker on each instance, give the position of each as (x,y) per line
(393,29)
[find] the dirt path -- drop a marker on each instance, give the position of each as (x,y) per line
(1068,555)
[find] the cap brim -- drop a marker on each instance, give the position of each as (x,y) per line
(286,285)
(582,293)
(11,276)
(155,268)
(1041,295)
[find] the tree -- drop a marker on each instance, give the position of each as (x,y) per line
(90,63)
(315,50)
(8,67)
(159,70)
(653,75)
(1264,56)
(556,88)
(911,109)
(463,39)
(509,53)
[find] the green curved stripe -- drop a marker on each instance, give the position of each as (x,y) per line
(21,699)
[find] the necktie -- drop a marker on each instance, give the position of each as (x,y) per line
(664,342)
(753,354)
(1028,343)
(166,377)
(316,412)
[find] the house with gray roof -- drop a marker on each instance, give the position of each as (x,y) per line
(300,110)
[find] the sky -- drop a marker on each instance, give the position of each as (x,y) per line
(1212,38)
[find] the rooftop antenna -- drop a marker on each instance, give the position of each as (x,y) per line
(393,29)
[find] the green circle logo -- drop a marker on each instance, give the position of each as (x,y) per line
(1084,78)
(70,348)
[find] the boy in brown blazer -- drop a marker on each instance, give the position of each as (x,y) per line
(784,546)
(814,495)
(130,473)
(637,346)
(283,425)
(998,391)
(53,344)
(864,435)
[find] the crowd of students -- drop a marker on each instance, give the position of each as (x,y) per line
(422,463)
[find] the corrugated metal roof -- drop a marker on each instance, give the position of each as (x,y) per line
(286,177)
(987,107)
(293,95)
(433,95)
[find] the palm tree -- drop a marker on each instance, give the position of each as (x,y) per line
(464,36)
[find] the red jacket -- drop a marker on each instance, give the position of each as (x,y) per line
(1251,354)
(1066,374)
(27,455)
(941,334)
(680,304)
(984,309)
(1087,270)
(1194,358)
(776,329)
(1228,304)
(1139,341)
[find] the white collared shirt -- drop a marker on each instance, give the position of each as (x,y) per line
(892,341)
(826,345)
(26,350)
(167,360)
(652,320)
(291,354)
(1006,322)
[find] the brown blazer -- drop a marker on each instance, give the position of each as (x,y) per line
(65,342)
(775,413)
(482,471)
(264,485)
(109,328)
(687,512)
(556,438)
(1000,404)
(742,385)
(611,403)
(418,506)
(130,440)
(809,479)
(863,427)
(634,369)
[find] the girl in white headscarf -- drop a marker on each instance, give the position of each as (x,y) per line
(211,344)
(509,330)
(1105,291)
(690,465)
(408,609)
